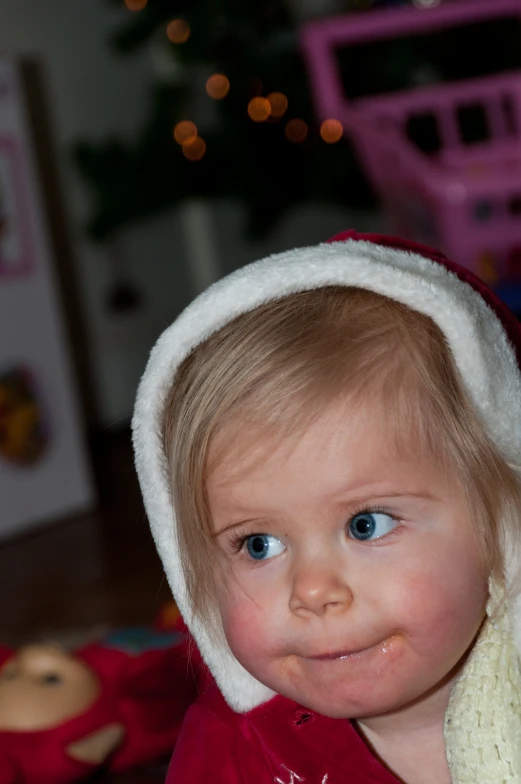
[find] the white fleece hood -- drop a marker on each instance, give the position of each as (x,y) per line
(480,335)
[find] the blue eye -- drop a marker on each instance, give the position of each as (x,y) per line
(263,546)
(371,525)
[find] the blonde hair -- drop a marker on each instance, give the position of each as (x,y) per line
(275,368)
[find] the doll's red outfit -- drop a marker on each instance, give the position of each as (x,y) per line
(146,692)
(279,742)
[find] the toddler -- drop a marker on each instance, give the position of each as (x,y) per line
(328,444)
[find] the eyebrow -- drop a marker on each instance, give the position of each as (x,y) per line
(354,502)
(239,523)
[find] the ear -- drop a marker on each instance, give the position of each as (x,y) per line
(95,748)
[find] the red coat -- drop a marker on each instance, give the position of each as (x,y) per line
(279,742)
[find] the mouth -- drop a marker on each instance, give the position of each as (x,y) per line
(352,653)
(339,655)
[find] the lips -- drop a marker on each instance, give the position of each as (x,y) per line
(337,655)
(386,645)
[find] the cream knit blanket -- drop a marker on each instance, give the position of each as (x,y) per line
(483,720)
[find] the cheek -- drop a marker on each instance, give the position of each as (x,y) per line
(254,612)
(249,619)
(444,603)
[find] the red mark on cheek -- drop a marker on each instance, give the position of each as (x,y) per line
(243,626)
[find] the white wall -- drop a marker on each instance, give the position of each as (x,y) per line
(94,93)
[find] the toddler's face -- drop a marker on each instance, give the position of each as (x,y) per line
(353,583)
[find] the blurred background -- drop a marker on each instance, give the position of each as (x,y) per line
(147,147)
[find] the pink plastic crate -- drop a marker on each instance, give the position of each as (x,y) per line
(464,197)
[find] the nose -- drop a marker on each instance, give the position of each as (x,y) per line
(319,589)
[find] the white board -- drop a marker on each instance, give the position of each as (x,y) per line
(44,472)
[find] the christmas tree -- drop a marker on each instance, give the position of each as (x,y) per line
(230,115)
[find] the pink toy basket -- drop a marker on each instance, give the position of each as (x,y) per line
(462,194)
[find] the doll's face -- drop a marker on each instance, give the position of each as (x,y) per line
(353,582)
(42,686)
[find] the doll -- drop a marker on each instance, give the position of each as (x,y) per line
(117,703)
(328,443)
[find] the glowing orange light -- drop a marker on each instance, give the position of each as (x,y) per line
(194,149)
(296,130)
(331,131)
(136,5)
(487,268)
(185,131)
(278,104)
(178,31)
(218,86)
(259,109)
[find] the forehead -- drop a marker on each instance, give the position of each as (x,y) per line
(344,443)
(44,653)
(47,658)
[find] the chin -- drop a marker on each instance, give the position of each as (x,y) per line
(348,709)
(346,702)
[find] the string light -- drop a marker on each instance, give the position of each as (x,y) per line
(136,5)
(331,131)
(178,31)
(218,86)
(278,104)
(194,149)
(487,268)
(259,109)
(185,132)
(296,130)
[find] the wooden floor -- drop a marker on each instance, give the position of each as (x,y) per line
(99,569)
